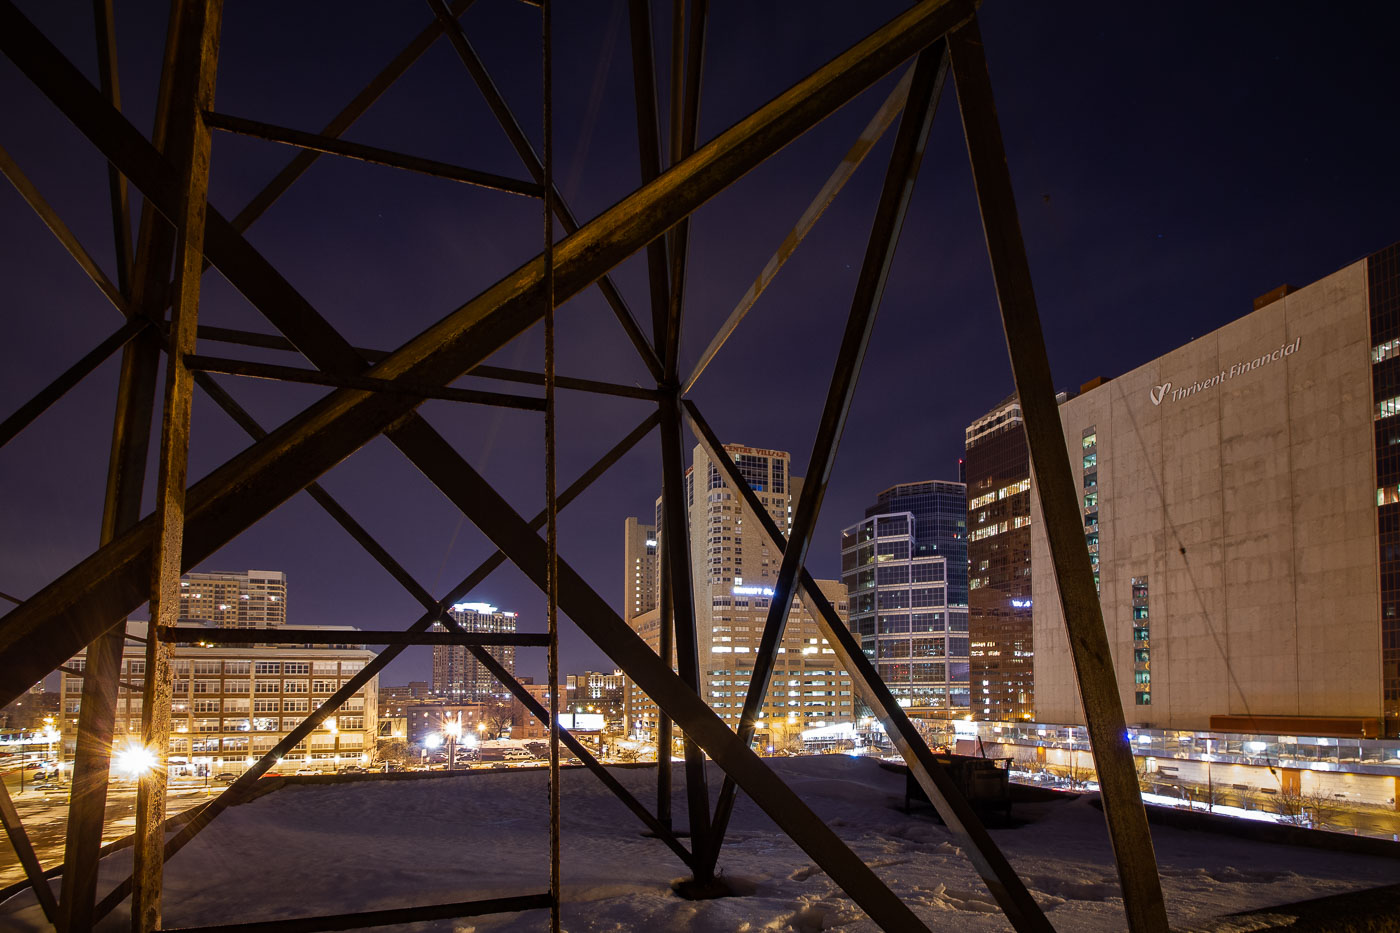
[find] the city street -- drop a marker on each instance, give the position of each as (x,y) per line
(45,813)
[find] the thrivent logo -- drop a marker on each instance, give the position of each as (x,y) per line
(1160,394)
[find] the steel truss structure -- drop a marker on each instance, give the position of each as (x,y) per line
(377,393)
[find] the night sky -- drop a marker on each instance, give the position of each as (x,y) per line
(1170,164)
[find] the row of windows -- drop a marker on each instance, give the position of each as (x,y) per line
(1002,493)
(1142,648)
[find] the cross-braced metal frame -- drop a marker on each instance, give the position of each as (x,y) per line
(377,392)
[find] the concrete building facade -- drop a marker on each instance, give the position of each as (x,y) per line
(1245,506)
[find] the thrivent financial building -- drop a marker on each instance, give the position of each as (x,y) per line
(1246,489)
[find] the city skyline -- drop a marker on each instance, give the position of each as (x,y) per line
(1252,220)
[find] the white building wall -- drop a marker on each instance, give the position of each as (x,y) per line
(1249,504)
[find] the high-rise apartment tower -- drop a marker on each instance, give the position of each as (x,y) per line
(253,599)
(459,676)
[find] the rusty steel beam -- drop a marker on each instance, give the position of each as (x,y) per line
(580,751)
(649,151)
(24,851)
(126,474)
(930,72)
(685,120)
(666,650)
(70,377)
(372,154)
(864,144)
(1059,498)
(486,509)
(49,216)
(996,872)
(104,23)
(436,612)
(72,610)
(186,634)
(249,338)
(535,166)
(682,597)
(346,118)
(216,364)
(192,92)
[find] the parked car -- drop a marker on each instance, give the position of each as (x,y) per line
(308,771)
(226,777)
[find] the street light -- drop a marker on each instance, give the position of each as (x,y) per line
(134,760)
(452,728)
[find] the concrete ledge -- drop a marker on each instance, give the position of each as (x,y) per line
(1196,821)
(1375,910)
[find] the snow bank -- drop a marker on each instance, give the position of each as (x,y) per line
(372,845)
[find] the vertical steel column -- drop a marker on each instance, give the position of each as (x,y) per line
(685,119)
(1093,662)
(116,181)
(146,292)
(551,511)
(930,72)
(649,153)
(649,156)
(92,757)
(192,92)
(27,859)
(666,647)
(674,511)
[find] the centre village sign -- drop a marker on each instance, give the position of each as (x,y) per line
(1159,394)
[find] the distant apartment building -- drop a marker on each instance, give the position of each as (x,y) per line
(898,568)
(252,599)
(1002,645)
(394,701)
(597,692)
(457,674)
(232,703)
(639,555)
(733,570)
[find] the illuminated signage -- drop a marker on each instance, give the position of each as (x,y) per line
(1021,603)
(1159,394)
(752,591)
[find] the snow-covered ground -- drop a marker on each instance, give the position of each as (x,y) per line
(371,845)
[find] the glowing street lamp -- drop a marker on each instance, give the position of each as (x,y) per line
(135,761)
(452,728)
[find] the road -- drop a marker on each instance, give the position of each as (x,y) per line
(44,813)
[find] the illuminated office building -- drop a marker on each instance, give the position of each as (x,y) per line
(734,571)
(902,609)
(1002,651)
